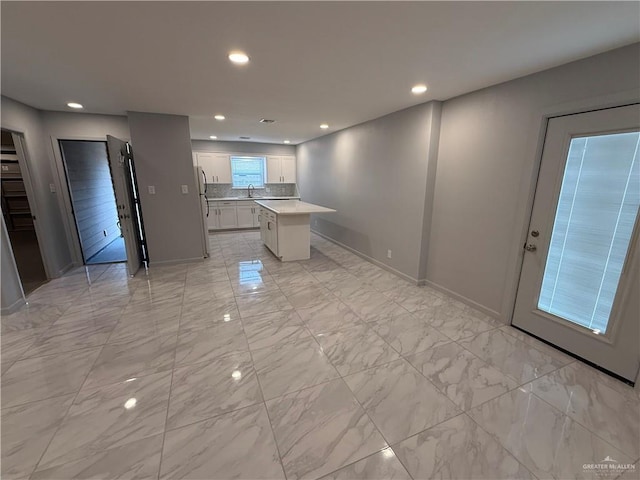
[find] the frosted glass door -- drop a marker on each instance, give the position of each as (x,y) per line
(594,221)
(580,270)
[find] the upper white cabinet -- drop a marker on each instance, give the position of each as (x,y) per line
(216,166)
(281,169)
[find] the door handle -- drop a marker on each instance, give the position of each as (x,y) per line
(530,247)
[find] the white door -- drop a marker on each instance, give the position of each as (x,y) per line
(222,168)
(119,159)
(288,169)
(227,217)
(245,215)
(579,284)
(274,169)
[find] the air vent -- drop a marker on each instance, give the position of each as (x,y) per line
(245,138)
(266,120)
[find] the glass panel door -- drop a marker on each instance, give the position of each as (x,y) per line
(580,275)
(594,221)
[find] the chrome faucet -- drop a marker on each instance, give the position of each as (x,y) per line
(250,189)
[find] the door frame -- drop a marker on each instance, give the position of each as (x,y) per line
(24,161)
(529,183)
(62,185)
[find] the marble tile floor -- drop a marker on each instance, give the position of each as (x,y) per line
(243,367)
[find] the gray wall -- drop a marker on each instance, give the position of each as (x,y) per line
(162,154)
(22,118)
(487,161)
(91,187)
(450,194)
(375,175)
(242,147)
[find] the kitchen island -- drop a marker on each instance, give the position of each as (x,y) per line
(284,227)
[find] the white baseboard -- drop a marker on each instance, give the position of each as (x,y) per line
(377,263)
(463,299)
(175,262)
(423,282)
(13,307)
(65,269)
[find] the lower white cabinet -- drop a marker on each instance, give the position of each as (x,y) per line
(247,215)
(230,214)
(227,217)
(269,230)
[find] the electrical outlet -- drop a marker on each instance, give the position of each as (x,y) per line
(104,232)
(185,189)
(315,223)
(152,190)
(215,190)
(52,187)
(388,253)
(268,190)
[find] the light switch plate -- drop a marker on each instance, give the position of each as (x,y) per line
(185,189)
(152,190)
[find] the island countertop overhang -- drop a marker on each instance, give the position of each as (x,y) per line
(292,207)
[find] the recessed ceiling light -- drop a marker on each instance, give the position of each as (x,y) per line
(239,58)
(213,137)
(324,126)
(418,89)
(219,117)
(74,105)
(287,141)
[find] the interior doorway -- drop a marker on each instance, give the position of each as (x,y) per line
(19,215)
(93,202)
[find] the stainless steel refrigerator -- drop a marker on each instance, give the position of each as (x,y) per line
(204,208)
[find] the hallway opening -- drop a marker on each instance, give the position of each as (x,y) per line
(93,201)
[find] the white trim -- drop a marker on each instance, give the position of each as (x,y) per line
(64,198)
(529,183)
(369,259)
(465,300)
(20,302)
(175,262)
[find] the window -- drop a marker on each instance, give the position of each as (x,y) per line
(247,170)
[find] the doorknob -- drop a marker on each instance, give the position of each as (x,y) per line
(530,247)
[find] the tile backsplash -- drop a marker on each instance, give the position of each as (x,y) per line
(221,190)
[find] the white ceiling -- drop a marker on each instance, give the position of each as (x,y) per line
(311,62)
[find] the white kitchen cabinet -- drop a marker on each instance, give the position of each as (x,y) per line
(274,169)
(216,166)
(227,217)
(269,230)
(245,214)
(212,219)
(281,169)
(288,169)
(222,216)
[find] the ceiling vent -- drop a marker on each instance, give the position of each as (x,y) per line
(245,138)
(266,120)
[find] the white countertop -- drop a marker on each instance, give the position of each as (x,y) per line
(226,199)
(292,207)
